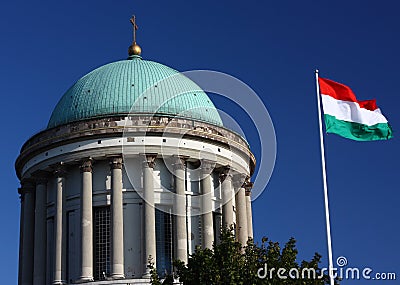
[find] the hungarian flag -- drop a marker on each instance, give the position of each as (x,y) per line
(346,116)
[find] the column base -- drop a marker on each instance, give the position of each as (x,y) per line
(147,274)
(84,280)
(117,276)
(59,282)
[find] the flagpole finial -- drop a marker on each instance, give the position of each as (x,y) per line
(134,49)
(316,71)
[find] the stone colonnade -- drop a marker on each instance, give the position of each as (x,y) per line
(33,191)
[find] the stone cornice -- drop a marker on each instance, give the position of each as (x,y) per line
(139,125)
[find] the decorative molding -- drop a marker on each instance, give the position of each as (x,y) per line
(40,147)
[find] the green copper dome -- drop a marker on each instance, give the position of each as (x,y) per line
(134,86)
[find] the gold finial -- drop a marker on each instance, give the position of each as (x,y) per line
(134,49)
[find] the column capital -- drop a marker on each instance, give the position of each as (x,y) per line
(179,162)
(86,165)
(27,185)
(225,173)
(248,186)
(149,160)
(116,162)
(207,166)
(41,176)
(59,169)
(239,180)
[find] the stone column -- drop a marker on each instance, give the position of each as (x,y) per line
(28,227)
(227,195)
(117,222)
(180,208)
(206,204)
(59,220)
(86,270)
(241,211)
(21,230)
(149,211)
(39,267)
(248,187)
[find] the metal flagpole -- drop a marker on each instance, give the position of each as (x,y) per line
(327,220)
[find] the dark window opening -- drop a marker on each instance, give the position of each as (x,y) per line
(217,224)
(164,242)
(102,238)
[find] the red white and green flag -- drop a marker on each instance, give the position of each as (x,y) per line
(347,117)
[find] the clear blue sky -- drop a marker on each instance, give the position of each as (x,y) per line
(274,47)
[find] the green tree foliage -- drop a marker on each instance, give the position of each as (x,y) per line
(229,263)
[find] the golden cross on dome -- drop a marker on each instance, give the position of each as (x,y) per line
(135,27)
